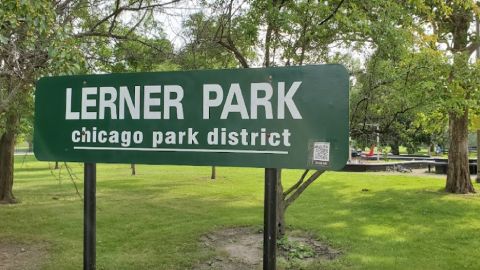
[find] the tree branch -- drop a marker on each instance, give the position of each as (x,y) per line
(271,27)
(229,44)
(138,23)
(354,113)
(332,14)
(5,104)
(72,175)
(151,6)
(292,188)
(472,47)
(116,12)
(118,37)
(302,188)
(395,116)
(231,47)
(128,7)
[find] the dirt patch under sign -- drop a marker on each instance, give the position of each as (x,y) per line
(241,249)
(22,256)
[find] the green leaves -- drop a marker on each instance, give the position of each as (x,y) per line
(42,37)
(295,250)
(422,58)
(3,39)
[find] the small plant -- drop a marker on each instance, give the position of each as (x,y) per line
(295,250)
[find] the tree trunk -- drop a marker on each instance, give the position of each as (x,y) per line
(56,165)
(280,207)
(134,170)
(458,174)
(214,173)
(395,149)
(30,146)
(7,148)
(285,199)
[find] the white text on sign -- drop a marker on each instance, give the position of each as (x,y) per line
(119,102)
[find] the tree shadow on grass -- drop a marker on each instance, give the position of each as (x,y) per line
(394,229)
(388,229)
(144,223)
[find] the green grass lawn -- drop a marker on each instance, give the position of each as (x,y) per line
(154,220)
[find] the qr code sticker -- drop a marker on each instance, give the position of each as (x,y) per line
(321,153)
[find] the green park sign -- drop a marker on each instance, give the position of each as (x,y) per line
(288,117)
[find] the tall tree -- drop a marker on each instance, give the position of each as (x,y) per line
(201,51)
(445,28)
(391,94)
(51,37)
(26,30)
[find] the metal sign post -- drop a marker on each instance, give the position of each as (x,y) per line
(89,216)
(270,219)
